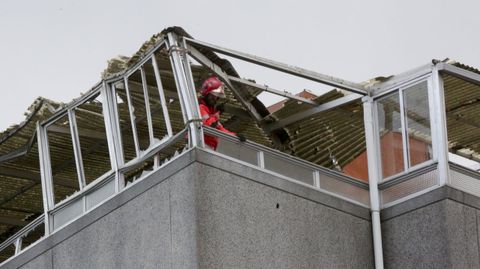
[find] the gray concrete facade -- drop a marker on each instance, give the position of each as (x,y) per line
(207,211)
(439,229)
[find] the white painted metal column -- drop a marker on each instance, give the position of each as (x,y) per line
(113,133)
(46,176)
(439,133)
(186,90)
(373,178)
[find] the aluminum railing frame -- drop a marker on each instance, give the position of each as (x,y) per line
(107,89)
(289,158)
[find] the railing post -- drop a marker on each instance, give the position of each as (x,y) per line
(112,129)
(373,178)
(46,176)
(438,114)
(186,90)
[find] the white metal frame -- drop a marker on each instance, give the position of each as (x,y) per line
(400,92)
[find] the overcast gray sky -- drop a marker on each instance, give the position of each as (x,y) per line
(58,48)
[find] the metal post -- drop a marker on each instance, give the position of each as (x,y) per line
(113,133)
(18,245)
(316,179)
(46,176)
(261,159)
(186,91)
(373,178)
(147,105)
(76,148)
(404,123)
(436,95)
(132,118)
(163,101)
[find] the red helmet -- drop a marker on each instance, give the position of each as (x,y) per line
(214,86)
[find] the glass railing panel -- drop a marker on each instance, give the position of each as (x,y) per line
(423,180)
(237,151)
(465,179)
(345,189)
(100,194)
(287,168)
(64,214)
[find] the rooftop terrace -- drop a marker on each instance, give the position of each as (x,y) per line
(373,144)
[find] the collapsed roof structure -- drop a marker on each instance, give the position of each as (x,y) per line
(139,115)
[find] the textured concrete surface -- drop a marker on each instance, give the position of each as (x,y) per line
(183,209)
(193,215)
(443,234)
(43,261)
(245,224)
(136,235)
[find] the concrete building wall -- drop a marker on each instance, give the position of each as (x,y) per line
(437,230)
(205,211)
(246,224)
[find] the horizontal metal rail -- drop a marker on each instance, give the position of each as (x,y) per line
(293,70)
(458,168)
(266,88)
(23,232)
(289,158)
(154,150)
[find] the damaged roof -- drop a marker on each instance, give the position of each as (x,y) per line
(332,138)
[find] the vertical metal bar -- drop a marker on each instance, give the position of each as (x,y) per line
(18,245)
(114,137)
(147,105)
(373,177)
(76,148)
(261,159)
(132,118)
(436,96)
(163,101)
(156,161)
(185,91)
(46,179)
(406,159)
(376,136)
(192,92)
(316,179)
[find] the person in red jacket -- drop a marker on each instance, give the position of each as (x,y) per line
(212,89)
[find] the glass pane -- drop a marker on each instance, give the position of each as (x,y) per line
(139,111)
(62,158)
(390,133)
(287,168)
(124,123)
(93,138)
(418,123)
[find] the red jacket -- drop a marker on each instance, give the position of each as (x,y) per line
(209,116)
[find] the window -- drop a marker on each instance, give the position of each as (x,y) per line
(404,129)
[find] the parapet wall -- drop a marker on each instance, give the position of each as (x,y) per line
(439,229)
(207,211)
